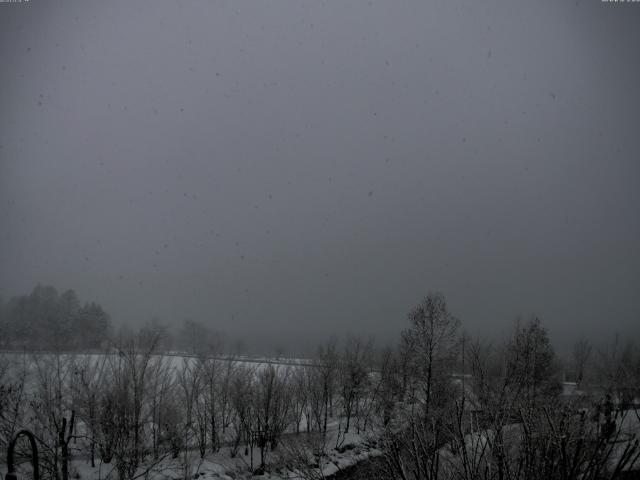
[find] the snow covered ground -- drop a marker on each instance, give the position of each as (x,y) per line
(341,450)
(221,465)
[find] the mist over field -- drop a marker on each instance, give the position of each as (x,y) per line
(319,240)
(286,171)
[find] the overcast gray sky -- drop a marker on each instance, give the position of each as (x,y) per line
(289,169)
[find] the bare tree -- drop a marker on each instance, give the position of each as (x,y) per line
(224,392)
(300,392)
(272,407)
(216,375)
(530,360)
(316,403)
(552,439)
(322,381)
(306,457)
(126,409)
(189,393)
(53,414)
(617,370)
(13,376)
(161,385)
(414,434)
(581,354)
(353,377)
(242,399)
(89,377)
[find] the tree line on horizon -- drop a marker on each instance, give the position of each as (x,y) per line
(46,320)
(437,405)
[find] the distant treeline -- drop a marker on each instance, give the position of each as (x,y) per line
(51,321)
(47,320)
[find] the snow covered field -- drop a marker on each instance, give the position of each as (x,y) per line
(292,458)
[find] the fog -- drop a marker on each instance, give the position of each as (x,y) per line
(282,171)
